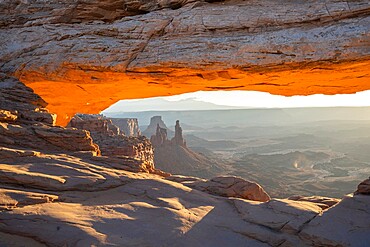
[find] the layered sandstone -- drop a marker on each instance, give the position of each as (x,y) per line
(97,53)
(129,126)
(113,143)
(25,123)
(322,202)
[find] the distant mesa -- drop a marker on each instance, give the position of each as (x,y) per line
(152,128)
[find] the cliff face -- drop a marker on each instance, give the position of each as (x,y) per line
(152,128)
(99,52)
(129,126)
(113,143)
(25,123)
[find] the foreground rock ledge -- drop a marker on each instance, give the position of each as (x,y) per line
(95,57)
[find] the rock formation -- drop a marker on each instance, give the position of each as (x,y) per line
(322,202)
(100,52)
(175,157)
(129,126)
(113,143)
(25,123)
(178,139)
(364,187)
(225,186)
(152,128)
(160,137)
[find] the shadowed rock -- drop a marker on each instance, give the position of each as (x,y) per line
(364,187)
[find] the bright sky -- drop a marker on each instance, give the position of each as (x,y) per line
(261,99)
(249,99)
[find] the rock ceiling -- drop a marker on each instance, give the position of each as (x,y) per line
(85,56)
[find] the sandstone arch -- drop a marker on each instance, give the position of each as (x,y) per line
(285,47)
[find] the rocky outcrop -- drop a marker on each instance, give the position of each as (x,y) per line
(158,212)
(178,139)
(99,53)
(225,186)
(346,224)
(364,187)
(129,126)
(31,13)
(24,122)
(175,157)
(152,129)
(10,198)
(113,143)
(160,138)
(322,202)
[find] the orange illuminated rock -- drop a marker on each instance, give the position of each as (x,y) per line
(85,57)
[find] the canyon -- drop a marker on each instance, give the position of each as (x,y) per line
(68,186)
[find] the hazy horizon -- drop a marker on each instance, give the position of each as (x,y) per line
(224,100)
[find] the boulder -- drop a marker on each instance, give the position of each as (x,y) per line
(364,187)
(226,186)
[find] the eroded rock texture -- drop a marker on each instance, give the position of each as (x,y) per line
(172,155)
(24,122)
(113,143)
(129,126)
(98,52)
(152,128)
